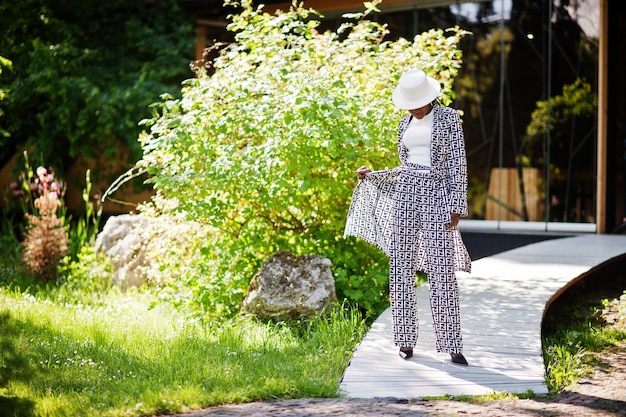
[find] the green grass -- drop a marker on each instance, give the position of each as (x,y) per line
(120,357)
(587,318)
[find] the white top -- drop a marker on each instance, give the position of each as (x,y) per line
(417,138)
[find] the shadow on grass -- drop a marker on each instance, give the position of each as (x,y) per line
(13,367)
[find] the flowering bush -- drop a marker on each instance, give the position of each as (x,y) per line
(264,149)
(32,185)
(50,233)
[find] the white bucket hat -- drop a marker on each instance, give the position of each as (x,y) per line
(415,90)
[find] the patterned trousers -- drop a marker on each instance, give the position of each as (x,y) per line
(419,213)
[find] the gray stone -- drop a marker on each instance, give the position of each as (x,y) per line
(148,248)
(290,287)
(124,249)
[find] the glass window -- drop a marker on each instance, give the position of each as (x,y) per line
(528,92)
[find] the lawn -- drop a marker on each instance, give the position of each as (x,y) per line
(125,354)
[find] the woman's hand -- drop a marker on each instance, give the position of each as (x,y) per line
(362,171)
(454,221)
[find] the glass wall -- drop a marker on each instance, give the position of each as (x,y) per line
(528,92)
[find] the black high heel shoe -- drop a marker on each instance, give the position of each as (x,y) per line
(458,358)
(406,352)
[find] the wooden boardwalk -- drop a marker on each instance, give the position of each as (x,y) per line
(502,305)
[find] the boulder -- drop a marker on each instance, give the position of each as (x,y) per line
(124,249)
(291,287)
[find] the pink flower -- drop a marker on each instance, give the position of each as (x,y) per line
(41,171)
(14,186)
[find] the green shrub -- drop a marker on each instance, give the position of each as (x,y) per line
(264,149)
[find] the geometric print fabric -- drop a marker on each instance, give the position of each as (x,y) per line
(380,194)
(403,211)
(418,212)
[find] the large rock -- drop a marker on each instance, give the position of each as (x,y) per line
(147,248)
(124,248)
(290,287)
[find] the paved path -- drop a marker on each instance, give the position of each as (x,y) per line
(502,306)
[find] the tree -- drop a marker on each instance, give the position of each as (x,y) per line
(560,137)
(85,71)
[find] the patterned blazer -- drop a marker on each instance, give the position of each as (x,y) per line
(447,153)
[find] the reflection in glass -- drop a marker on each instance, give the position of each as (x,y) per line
(528,92)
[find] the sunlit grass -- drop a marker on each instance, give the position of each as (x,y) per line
(576,331)
(121,358)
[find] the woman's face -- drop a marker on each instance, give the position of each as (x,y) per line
(421,112)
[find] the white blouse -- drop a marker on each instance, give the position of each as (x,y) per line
(417,140)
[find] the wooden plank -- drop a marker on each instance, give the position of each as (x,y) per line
(602,131)
(502,305)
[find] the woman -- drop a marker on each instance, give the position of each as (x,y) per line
(412,211)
